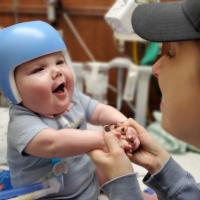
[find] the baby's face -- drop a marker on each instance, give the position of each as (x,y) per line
(45,84)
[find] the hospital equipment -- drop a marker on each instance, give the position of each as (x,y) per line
(120,14)
(139,90)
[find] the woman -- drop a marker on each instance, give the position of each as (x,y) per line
(177,25)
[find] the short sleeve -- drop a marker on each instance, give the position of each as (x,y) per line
(87,103)
(23,126)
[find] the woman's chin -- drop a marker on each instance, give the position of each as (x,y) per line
(165,125)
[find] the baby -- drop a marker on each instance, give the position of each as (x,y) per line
(48,114)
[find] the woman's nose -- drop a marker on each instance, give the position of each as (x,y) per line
(156,67)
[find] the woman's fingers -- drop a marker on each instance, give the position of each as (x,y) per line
(112,142)
(96,155)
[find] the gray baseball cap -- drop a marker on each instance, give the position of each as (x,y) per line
(169,21)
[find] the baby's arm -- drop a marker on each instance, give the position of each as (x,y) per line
(105,114)
(51,143)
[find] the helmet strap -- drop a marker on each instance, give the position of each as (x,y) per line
(14,87)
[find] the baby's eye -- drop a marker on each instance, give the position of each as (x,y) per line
(38,69)
(60,62)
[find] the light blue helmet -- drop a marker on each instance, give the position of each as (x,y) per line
(21,43)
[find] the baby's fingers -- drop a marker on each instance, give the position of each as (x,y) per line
(132,123)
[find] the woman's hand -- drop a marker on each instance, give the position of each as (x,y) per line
(150,154)
(114,162)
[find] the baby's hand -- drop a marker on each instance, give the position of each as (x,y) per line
(127,136)
(132,137)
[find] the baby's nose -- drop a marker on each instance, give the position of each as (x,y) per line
(56,73)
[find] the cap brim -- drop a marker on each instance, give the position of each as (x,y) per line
(163,22)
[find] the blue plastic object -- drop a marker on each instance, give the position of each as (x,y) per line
(6,194)
(5,182)
(23,42)
(55,161)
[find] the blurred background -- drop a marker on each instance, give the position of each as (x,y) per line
(90,39)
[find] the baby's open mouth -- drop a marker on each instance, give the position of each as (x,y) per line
(60,88)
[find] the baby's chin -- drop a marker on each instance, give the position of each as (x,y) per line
(55,111)
(53,114)
(66,108)
(62,109)
(60,112)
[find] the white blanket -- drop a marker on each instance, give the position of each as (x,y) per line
(3,131)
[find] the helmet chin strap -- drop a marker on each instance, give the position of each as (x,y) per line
(14,88)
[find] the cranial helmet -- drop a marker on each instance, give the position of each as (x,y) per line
(21,43)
